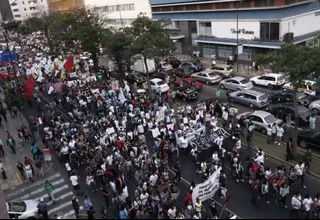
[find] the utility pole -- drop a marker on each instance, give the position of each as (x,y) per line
(237,3)
(120,13)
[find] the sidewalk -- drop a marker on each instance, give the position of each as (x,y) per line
(279,152)
(243,70)
(10,160)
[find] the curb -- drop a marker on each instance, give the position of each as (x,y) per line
(20,180)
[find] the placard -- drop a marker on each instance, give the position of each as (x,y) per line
(155,132)
(207,189)
(170,126)
(110,130)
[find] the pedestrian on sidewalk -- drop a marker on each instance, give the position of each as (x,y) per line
(14,111)
(34,150)
(269,135)
(27,160)
(300,171)
(12,144)
(3,112)
(29,173)
(43,209)
(1,148)
(20,167)
(280,132)
(289,149)
(75,206)
(48,187)
(26,133)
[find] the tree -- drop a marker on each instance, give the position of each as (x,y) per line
(88,28)
(119,43)
(150,40)
(298,63)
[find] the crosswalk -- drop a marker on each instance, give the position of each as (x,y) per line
(62,192)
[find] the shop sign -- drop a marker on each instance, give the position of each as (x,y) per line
(241,31)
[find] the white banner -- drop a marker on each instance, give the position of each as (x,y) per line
(191,135)
(207,189)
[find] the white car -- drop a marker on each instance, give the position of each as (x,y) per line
(260,119)
(166,66)
(26,209)
(271,80)
(159,85)
(315,107)
(236,83)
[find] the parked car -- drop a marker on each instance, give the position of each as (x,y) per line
(193,66)
(187,83)
(165,65)
(136,77)
(270,80)
(236,83)
(187,94)
(173,61)
(251,98)
(26,209)
(308,87)
(283,110)
(159,85)
(287,96)
(308,138)
(207,76)
(224,70)
(260,119)
(179,72)
(315,107)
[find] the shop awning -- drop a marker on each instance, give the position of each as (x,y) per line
(306,37)
(233,42)
(177,37)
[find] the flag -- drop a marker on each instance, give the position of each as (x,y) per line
(28,87)
(68,65)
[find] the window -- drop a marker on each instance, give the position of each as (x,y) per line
(25,9)
(256,118)
(269,31)
(113,8)
(205,28)
(15,10)
(17,16)
(317,13)
(32,8)
(176,24)
(14,4)
(22,2)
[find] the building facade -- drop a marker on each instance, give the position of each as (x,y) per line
(218,26)
(65,5)
(118,13)
(5,10)
(23,9)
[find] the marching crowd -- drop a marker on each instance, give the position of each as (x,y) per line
(121,139)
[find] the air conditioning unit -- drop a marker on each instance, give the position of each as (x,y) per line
(288,37)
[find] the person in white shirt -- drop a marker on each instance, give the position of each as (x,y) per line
(183,142)
(260,158)
(144,198)
(172,212)
(269,135)
(74,182)
(296,204)
(109,159)
(140,129)
(203,166)
(300,170)
(280,132)
(265,190)
(219,141)
(215,157)
(153,179)
(225,116)
(306,203)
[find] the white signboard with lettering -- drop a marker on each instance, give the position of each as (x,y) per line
(228,29)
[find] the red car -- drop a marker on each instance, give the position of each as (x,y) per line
(188,82)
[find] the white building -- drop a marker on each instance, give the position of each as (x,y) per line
(23,9)
(119,12)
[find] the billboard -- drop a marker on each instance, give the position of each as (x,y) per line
(6,57)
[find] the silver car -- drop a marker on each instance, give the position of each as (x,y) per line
(315,107)
(223,70)
(236,83)
(207,76)
(260,120)
(251,98)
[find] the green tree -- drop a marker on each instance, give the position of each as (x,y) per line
(119,43)
(151,40)
(89,28)
(298,63)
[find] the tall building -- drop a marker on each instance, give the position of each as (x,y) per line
(65,5)
(23,9)
(119,13)
(218,26)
